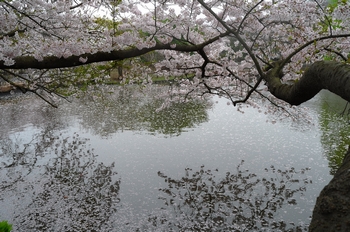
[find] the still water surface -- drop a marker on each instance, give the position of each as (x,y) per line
(114,163)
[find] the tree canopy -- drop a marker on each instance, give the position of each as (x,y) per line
(225,47)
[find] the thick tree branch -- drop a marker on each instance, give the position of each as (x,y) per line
(51,62)
(331,75)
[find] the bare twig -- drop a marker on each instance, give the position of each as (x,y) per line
(337,53)
(247,14)
(234,31)
(296,51)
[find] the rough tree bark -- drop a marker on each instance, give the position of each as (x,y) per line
(332,209)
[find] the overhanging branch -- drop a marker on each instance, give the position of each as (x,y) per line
(52,62)
(331,75)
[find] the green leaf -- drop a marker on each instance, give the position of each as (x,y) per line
(5,226)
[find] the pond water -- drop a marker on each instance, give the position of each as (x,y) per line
(113,162)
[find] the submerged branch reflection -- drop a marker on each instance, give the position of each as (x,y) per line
(19,158)
(240,201)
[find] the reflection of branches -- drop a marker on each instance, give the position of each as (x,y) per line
(238,202)
(78,194)
(19,161)
(67,189)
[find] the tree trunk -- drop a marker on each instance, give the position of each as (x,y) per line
(332,209)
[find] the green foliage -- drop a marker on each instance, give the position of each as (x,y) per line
(106,23)
(68,81)
(115,2)
(332,4)
(5,226)
(330,23)
(328,57)
(335,129)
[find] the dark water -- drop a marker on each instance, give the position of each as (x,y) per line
(113,162)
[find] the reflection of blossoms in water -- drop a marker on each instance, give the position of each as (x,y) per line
(240,201)
(131,108)
(68,190)
(200,201)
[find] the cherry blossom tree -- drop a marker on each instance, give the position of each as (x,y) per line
(229,47)
(283,51)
